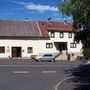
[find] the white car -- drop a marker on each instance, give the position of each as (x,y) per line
(45,57)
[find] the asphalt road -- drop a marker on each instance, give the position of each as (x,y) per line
(40,76)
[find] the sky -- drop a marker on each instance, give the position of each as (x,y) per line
(31,9)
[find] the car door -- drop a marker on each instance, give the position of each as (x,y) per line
(46,57)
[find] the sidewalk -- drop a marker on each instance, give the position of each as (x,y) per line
(32,61)
(67,85)
(80,79)
(15,61)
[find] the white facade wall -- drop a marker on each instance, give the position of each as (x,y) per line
(18,43)
(68,40)
(39,45)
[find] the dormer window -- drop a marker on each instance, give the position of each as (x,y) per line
(52,34)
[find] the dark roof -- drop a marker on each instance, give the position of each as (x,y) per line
(19,28)
(12,28)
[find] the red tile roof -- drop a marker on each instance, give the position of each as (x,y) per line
(56,26)
(43,28)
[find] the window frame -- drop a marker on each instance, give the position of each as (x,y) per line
(69,35)
(2,49)
(61,34)
(49,45)
(30,50)
(73,45)
(52,34)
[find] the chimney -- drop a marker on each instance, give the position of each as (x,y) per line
(65,22)
(49,22)
(26,19)
(49,19)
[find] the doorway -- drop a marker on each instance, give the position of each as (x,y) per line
(16,52)
(62,46)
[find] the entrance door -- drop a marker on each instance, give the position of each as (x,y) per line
(16,51)
(62,46)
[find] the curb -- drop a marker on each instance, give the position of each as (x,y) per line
(61,82)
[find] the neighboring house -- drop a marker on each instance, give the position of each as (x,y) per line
(22,39)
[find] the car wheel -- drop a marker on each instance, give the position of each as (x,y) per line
(40,60)
(53,60)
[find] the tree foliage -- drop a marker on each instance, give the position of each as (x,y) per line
(80,11)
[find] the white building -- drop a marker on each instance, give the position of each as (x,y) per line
(22,39)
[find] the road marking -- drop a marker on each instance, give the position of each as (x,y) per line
(21,72)
(48,71)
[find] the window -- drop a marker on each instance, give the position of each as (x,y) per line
(61,34)
(52,35)
(49,45)
(30,50)
(69,35)
(2,49)
(73,45)
(48,55)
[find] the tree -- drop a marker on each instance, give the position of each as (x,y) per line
(80,11)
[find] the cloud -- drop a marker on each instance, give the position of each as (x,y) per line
(37,7)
